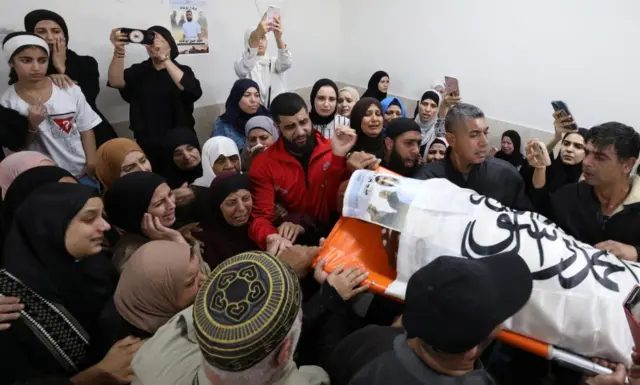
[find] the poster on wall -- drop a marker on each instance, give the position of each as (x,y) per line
(189,26)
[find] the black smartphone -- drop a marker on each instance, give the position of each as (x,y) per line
(138,36)
(559,105)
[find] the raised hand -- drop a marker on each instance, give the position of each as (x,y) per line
(276,27)
(118,39)
(534,155)
(344,138)
(59,55)
(563,124)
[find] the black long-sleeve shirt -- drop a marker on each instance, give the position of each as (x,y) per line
(157,105)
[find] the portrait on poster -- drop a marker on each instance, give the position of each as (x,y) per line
(189,26)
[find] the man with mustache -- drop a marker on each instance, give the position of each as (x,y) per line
(604,209)
(467,164)
(302,171)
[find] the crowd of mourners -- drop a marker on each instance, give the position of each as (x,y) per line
(160,261)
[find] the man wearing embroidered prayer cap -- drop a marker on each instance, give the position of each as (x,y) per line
(242,329)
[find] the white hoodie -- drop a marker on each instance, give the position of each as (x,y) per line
(266,71)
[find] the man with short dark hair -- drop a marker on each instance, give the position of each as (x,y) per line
(467,164)
(454,308)
(301,171)
(403,146)
(604,209)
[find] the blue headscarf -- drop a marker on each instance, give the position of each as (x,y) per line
(233,114)
(387,102)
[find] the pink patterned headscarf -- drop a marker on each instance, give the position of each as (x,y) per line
(17,163)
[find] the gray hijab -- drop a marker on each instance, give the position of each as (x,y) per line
(264,122)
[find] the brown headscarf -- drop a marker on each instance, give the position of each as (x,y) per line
(110,157)
(150,284)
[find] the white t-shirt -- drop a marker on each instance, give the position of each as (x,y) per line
(191,29)
(68,114)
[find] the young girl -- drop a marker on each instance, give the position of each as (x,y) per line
(61,121)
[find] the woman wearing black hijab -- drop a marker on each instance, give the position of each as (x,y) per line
(378,86)
(223,239)
(367,120)
(566,167)
(511,149)
(82,69)
(182,153)
(53,261)
(160,91)
(24,185)
(243,103)
(324,105)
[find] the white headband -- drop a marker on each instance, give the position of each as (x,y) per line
(13,44)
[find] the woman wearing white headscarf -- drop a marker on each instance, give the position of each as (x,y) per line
(218,154)
(268,72)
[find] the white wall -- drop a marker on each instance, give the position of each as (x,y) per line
(511,57)
(90,23)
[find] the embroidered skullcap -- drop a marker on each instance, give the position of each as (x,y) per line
(245,309)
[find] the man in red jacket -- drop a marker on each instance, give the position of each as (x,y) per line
(302,171)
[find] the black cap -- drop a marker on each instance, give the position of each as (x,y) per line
(399,126)
(454,303)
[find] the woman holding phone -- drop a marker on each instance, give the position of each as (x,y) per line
(267,72)
(160,91)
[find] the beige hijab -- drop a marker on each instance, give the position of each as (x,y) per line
(150,283)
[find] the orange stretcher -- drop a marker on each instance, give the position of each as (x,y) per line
(353,242)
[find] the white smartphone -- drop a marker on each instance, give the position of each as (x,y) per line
(541,149)
(273,12)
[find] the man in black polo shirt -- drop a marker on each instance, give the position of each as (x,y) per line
(454,308)
(467,164)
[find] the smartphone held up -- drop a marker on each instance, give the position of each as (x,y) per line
(538,154)
(563,110)
(273,13)
(138,36)
(451,86)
